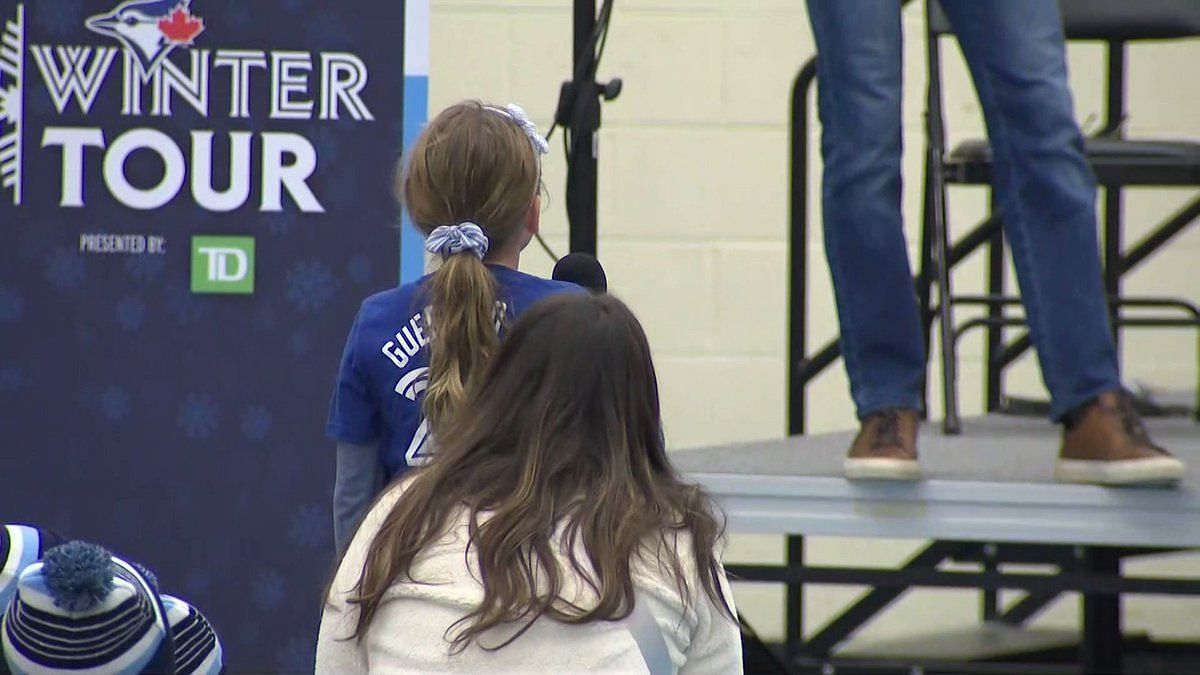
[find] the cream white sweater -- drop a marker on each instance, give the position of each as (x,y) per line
(408,632)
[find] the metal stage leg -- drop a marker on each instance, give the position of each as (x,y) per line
(995,333)
(990,598)
(794,609)
(1112,259)
(924,282)
(857,615)
(757,656)
(1101,646)
(1114,119)
(1027,607)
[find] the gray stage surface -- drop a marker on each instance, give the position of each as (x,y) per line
(992,483)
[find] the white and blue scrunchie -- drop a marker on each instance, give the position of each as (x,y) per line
(517,114)
(447,240)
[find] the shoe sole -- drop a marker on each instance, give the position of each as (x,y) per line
(882,469)
(1151,471)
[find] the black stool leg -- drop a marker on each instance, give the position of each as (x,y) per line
(941,262)
(935,144)
(1112,260)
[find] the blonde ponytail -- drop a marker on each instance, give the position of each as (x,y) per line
(469,183)
(462,329)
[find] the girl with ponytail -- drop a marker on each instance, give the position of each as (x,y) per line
(551,535)
(471,185)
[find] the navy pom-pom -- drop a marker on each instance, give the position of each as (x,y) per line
(78,575)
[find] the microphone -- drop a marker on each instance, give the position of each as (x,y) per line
(582,269)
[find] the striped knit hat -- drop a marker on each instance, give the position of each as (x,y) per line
(83,610)
(20,547)
(197,649)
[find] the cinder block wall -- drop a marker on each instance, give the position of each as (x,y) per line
(693,225)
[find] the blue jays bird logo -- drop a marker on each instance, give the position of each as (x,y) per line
(149,29)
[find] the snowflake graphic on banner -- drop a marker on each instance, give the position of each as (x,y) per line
(128,519)
(64,269)
(114,403)
(309,285)
(12,306)
(57,17)
(344,187)
(281,224)
(269,590)
(359,269)
(328,145)
(185,306)
(256,422)
(131,313)
(198,581)
(39,104)
(310,525)
(238,15)
(282,464)
(198,416)
(249,633)
(264,318)
(331,31)
(12,94)
(12,379)
(10,105)
(297,656)
(183,496)
(33,242)
(146,267)
(299,343)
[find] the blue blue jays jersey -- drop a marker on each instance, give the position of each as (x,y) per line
(385,367)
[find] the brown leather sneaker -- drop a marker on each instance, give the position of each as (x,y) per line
(1105,443)
(885,448)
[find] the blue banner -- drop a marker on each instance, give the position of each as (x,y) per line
(195,195)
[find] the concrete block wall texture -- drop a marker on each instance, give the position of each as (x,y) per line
(693,227)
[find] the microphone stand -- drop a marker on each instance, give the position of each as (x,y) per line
(578,113)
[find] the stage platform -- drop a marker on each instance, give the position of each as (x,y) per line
(992,483)
(989,500)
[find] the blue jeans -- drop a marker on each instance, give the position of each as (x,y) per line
(1044,187)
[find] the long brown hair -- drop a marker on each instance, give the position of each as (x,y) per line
(560,444)
(472,163)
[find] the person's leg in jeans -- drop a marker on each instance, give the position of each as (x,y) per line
(859,88)
(1047,195)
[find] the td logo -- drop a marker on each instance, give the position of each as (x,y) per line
(222,264)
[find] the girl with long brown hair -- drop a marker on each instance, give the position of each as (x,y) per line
(551,535)
(471,184)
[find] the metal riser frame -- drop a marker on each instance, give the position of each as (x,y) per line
(1093,571)
(1101,629)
